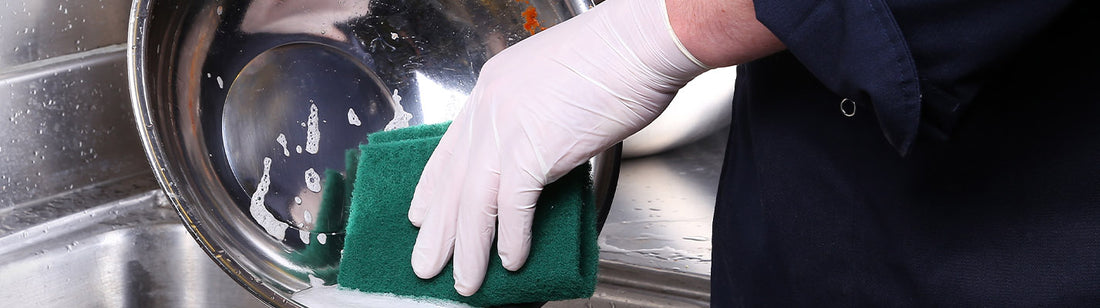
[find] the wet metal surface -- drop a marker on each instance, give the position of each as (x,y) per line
(699,109)
(623,285)
(132,251)
(655,247)
(129,252)
(268,102)
(35,30)
(63,98)
(65,125)
(663,208)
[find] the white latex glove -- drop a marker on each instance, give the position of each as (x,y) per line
(539,109)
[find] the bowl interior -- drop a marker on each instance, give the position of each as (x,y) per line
(248,109)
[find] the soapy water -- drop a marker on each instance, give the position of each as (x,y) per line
(281,139)
(259,211)
(313,131)
(313,180)
(320,295)
(353,118)
(400,116)
(664,253)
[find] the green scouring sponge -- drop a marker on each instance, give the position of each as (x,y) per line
(378,248)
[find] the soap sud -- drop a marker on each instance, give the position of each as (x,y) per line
(400,117)
(697,238)
(313,132)
(353,119)
(322,238)
(320,295)
(221,85)
(304,236)
(298,149)
(297,200)
(259,211)
(281,139)
(664,253)
(307,216)
(313,180)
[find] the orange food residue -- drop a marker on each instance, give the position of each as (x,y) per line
(532,24)
(531,16)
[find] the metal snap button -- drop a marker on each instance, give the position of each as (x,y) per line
(848,107)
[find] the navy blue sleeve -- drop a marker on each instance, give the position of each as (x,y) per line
(917,62)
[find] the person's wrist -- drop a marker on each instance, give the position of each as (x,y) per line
(720,32)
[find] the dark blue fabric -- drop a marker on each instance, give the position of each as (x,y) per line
(901,54)
(997,202)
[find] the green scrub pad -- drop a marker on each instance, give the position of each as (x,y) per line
(323,255)
(351,167)
(378,248)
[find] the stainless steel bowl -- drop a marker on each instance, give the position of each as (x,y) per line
(702,107)
(245,106)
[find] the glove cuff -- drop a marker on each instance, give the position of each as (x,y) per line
(639,32)
(676,39)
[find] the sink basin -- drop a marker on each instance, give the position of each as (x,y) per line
(130,249)
(131,252)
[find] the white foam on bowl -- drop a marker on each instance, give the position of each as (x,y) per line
(353,118)
(313,132)
(281,139)
(400,116)
(313,180)
(319,295)
(259,212)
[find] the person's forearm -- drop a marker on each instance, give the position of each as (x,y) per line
(721,32)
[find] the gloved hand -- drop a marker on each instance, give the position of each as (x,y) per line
(539,109)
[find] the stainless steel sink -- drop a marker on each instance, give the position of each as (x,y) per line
(131,250)
(121,244)
(128,252)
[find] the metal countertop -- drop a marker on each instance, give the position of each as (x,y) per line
(663,207)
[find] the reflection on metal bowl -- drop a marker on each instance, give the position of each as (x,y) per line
(246,110)
(704,105)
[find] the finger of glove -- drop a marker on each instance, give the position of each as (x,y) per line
(477,218)
(435,241)
(439,169)
(519,192)
(439,203)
